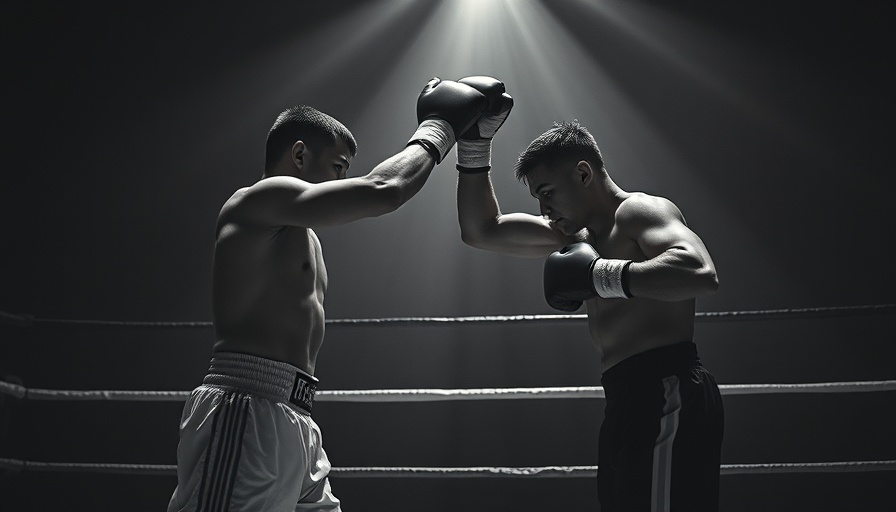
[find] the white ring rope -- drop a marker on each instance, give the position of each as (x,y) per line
(437,395)
(25,466)
(427,395)
(774,314)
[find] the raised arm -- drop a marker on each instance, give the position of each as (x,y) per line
(482,225)
(679,266)
(445,109)
(290,201)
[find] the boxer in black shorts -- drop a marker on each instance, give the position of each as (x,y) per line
(662,433)
(632,260)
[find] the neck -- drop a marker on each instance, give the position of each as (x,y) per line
(605,199)
(280,170)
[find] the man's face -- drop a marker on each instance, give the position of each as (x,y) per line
(327,163)
(560,196)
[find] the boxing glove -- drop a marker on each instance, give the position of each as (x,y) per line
(445,109)
(577,273)
(474,148)
(567,276)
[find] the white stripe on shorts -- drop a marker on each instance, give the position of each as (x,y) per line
(662,450)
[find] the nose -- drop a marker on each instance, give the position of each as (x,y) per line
(545,209)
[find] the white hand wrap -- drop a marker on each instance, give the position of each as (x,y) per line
(474,153)
(437,133)
(606,274)
(488,125)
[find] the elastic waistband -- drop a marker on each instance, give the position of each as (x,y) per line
(655,363)
(271,379)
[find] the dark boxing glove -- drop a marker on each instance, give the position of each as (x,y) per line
(474,148)
(577,273)
(567,276)
(445,109)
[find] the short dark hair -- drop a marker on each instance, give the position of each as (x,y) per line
(308,124)
(564,142)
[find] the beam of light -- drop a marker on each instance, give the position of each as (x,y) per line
(316,57)
(683,43)
(548,71)
(274,81)
(551,77)
(550,74)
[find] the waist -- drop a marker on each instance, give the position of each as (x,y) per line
(264,377)
(298,349)
(654,363)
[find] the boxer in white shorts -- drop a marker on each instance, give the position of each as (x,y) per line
(251,419)
(248,442)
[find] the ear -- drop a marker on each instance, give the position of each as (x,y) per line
(298,155)
(584,172)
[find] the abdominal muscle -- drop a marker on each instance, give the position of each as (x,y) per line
(296,340)
(621,328)
(268,292)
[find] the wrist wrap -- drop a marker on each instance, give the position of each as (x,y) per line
(473,154)
(607,277)
(436,135)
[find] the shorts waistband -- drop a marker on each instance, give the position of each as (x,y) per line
(654,363)
(271,379)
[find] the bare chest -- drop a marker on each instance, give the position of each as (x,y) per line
(294,261)
(614,244)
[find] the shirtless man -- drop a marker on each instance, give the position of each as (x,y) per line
(247,439)
(637,267)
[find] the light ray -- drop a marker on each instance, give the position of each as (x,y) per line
(702,55)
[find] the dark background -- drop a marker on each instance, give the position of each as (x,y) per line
(126,126)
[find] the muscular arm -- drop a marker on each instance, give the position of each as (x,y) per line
(482,225)
(288,201)
(678,266)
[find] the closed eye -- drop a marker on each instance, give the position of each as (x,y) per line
(544,190)
(341,164)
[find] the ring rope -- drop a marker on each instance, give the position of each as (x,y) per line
(24,466)
(709,316)
(435,395)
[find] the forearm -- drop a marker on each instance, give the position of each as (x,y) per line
(477,207)
(676,274)
(402,175)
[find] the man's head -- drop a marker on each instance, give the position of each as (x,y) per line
(558,167)
(317,145)
(561,147)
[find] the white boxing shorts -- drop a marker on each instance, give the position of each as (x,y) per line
(248,443)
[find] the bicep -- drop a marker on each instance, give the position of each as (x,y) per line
(522,234)
(483,226)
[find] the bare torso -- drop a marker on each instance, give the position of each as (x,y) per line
(268,290)
(621,328)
